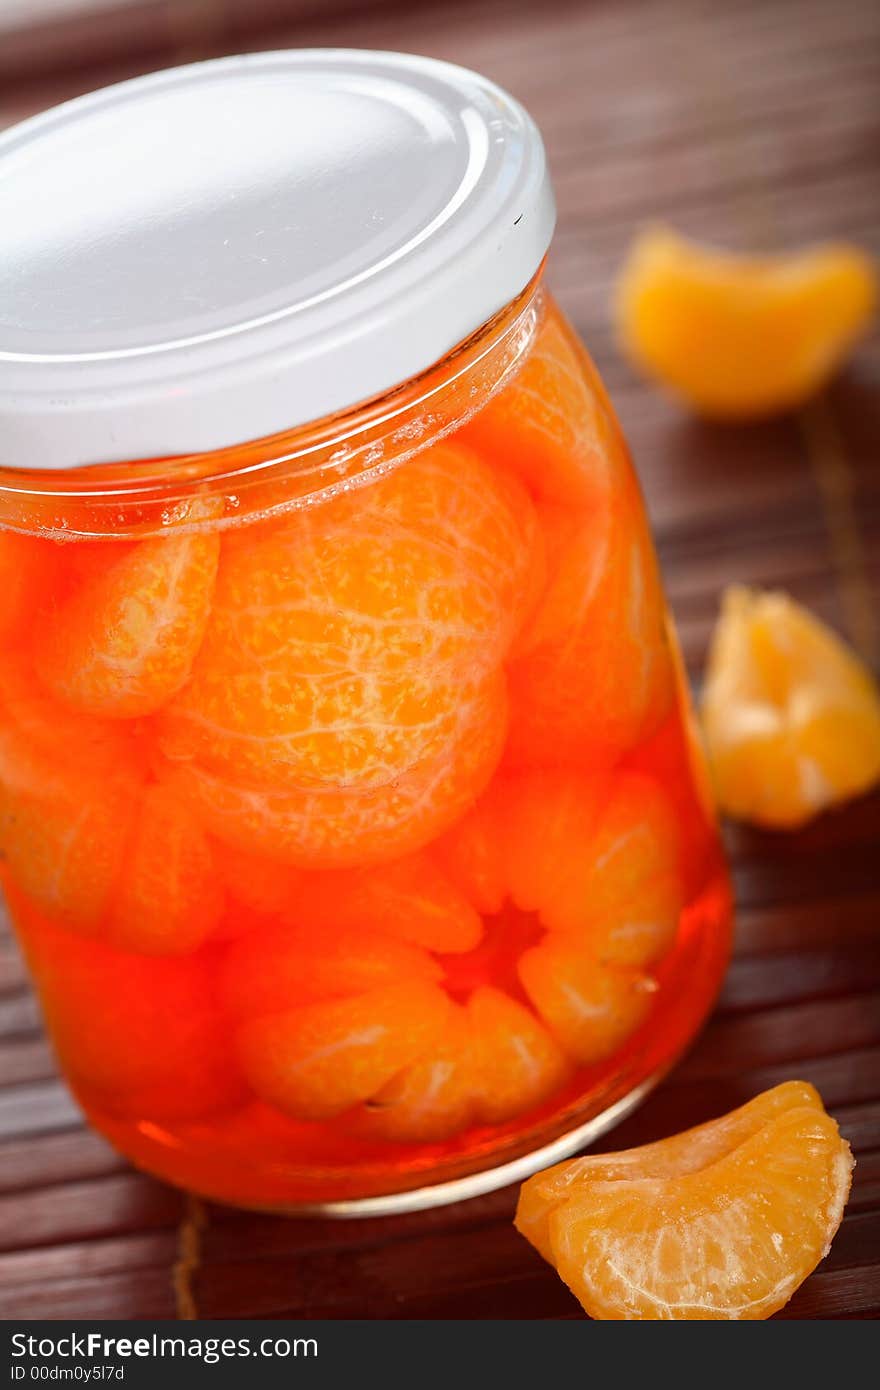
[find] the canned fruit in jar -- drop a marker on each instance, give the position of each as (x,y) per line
(343,640)
(125,639)
(318,1061)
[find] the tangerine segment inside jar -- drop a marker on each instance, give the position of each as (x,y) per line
(363,844)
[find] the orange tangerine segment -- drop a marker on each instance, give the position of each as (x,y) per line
(733,1240)
(68,786)
(125,640)
(284,967)
(472,853)
(26,576)
(169,899)
(791,716)
(621,891)
(318,1061)
(141,1035)
(688,1152)
(343,639)
(436,1097)
(549,426)
(742,336)
(590,1008)
(410,898)
(517,1062)
(548,819)
(592,675)
(322,828)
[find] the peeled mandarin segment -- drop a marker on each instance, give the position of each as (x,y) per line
(592,674)
(317,1062)
(549,426)
(517,1064)
(26,581)
(472,855)
(791,717)
(343,639)
(436,1097)
(284,967)
(667,1158)
(590,1008)
(142,1036)
(169,898)
(125,640)
(255,882)
(742,336)
(411,899)
(67,790)
(733,1240)
(548,818)
(323,828)
(621,891)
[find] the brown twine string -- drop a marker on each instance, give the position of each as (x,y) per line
(189,1255)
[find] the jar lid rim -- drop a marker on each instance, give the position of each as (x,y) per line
(220,252)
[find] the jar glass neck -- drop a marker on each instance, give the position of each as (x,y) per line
(283,472)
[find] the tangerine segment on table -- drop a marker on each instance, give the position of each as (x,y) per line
(791,716)
(68,787)
(742,336)
(169,899)
(553,425)
(592,673)
(731,1238)
(140,1036)
(343,637)
(687,1152)
(323,828)
(125,639)
(318,1061)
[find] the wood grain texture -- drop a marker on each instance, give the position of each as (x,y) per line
(754,124)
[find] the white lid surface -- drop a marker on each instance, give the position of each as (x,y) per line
(224,251)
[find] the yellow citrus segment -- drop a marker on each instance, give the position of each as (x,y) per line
(125,640)
(343,827)
(343,639)
(26,580)
(169,898)
(433,1099)
(516,1061)
(591,1008)
(284,967)
(592,674)
(733,1240)
(68,787)
(549,425)
(791,716)
(142,1035)
(318,1061)
(667,1158)
(742,336)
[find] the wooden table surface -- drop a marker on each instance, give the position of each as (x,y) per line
(753,124)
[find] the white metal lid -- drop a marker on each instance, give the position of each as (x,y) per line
(219,252)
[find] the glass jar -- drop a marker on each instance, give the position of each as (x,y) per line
(351,815)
